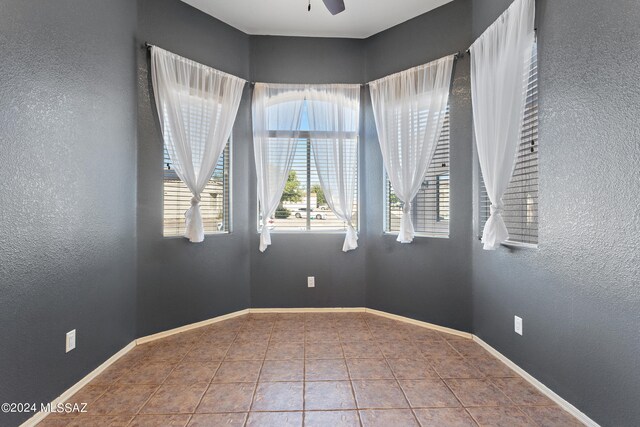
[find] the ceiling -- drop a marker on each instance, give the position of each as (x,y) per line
(361,19)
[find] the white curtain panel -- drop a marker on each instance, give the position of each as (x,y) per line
(498,59)
(197,106)
(334,120)
(276,123)
(409,109)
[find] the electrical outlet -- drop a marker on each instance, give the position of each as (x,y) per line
(71,341)
(311,282)
(517,325)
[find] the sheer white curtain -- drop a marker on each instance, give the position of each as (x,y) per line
(276,123)
(197,106)
(409,109)
(498,59)
(334,123)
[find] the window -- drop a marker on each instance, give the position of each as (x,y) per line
(302,206)
(431,205)
(215,199)
(521,198)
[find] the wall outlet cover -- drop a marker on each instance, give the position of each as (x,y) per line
(70,341)
(517,325)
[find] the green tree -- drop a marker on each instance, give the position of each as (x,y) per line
(320,199)
(292,192)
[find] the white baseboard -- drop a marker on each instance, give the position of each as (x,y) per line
(537,384)
(427,325)
(39,416)
(190,326)
(309,310)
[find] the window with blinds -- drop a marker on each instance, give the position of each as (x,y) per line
(521,198)
(431,206)
(215,198)
(303,207)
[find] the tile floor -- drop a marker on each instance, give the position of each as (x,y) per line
(313,369)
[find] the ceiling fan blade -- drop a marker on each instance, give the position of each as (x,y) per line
(334,6)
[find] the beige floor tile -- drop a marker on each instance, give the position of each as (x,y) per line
(148,373)
(428,394)
(455,367)
(227,397)
(379,394)
(282,370)
(285,350)
(501,417)
(325,370)
(275,419)
(323,350)
(550,416)
(521,392)
(238,371)
(160,420)
(444,417)
(387,418)
(175,399)
(122,399)
(369,369)
(100,421)
(474,392)
(328,395)
(189,372)
(412,369)
(361,350)
(491,367)
(331,418)
(213,420)
(283,396)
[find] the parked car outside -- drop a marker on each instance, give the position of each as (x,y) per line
(302,212)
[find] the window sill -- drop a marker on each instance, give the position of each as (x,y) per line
(515,245)
(217,233)
(301,232)
(519,245)
(421,235)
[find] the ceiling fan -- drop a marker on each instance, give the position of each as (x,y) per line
(334,6)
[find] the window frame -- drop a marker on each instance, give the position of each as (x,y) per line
(479,201)
(386,186)
(306,134)
(229,146)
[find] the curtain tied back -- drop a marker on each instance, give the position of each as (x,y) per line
(197,106)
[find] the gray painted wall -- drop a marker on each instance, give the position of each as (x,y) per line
(67,210)
(68,252)
(279,275)
(578,293)
(180,282)
(429,279)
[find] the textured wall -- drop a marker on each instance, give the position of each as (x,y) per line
(279,275)
(67,210)
(181,282)
(578,293)
(428,279)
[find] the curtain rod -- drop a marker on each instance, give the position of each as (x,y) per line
(457,55)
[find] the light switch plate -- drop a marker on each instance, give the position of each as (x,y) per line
(311,282)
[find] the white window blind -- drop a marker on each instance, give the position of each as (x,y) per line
(431,205)
(302,206)
(521,198)
(215,199)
